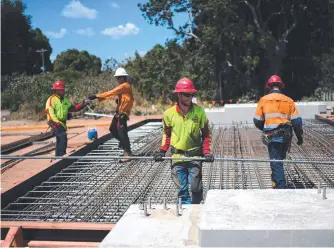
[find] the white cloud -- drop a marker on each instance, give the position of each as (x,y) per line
(76,10)
(142,53)
(58,35)
(114,5)
(53,58)
(120,31)
(85,31)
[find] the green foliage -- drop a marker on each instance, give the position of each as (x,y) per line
(110,65)
(326,67)
(75,60)
(248,41)
(20,43)
(228,48)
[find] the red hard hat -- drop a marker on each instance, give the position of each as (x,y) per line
(185,85)
(58,85)
(274,79)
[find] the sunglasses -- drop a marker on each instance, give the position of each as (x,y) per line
(187,94)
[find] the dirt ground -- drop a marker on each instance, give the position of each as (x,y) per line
(77,138)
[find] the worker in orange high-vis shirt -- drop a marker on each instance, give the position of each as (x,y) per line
(276,115)
(124,102)
(58,109)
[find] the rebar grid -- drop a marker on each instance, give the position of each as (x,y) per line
(101,191)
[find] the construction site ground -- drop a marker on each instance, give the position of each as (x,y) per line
(77,138)
(98,192)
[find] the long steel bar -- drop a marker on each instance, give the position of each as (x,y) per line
(298,161)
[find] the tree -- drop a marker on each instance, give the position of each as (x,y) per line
(19,42)
(75,60)
(249,40)
(15,27)
(215,29)
(110,65)
(40,43)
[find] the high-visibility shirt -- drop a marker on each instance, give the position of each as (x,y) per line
(274,109)
(57,109)
(125,96)
(186,132)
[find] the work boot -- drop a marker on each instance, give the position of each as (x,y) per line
(124,160)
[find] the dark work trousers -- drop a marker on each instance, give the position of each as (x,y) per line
(119,130)
(185,173)
(61,140)
(277,151)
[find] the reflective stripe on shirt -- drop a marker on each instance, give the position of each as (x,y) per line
(271,115)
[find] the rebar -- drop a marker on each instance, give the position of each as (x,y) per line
(177,209)
(96,188)
(324,193)
(232,159)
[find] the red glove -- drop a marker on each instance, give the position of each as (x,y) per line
(57,124)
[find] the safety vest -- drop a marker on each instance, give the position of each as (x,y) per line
(125,94)
(186,132)
(57,109)
(275,109)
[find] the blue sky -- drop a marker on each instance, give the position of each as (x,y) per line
(105,28)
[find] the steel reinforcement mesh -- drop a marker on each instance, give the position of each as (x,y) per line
(101,191)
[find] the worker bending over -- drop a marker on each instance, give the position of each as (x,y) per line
(276,114)
(118,126)
(186,129)
(58,109)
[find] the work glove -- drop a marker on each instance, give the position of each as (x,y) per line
(92,97)
(265,139)
(300,140)
(209,158)
(159,155)
(56,124)
(87,102)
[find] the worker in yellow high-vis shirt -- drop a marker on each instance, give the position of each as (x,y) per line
(186,129)
(58,109)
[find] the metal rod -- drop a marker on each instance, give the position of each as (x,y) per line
(319,187)
(177,209)
(149,203)
(165,203)
(180,203)
(295,161)
(324,194)
(145,209)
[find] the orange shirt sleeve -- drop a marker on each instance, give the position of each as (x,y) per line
(123,88)
(259,111)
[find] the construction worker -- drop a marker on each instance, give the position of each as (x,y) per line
(186,129)
(58,109)
(276,115)
(124,102)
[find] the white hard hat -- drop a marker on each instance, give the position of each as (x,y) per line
(120,72)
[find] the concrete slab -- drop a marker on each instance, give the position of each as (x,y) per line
(245,112)
(270,218)
(162,228)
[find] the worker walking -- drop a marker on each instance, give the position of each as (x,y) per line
(186,129)
(124,102)
(58,109)
(276,115)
